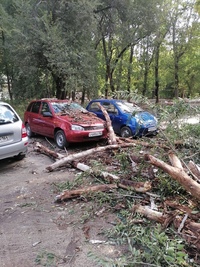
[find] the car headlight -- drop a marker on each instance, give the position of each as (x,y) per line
(139,121)
(77,128)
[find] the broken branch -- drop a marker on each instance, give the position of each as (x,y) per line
(84,191)
(179,175)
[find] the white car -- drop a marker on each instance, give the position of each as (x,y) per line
(13,136)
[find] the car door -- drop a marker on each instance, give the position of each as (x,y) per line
(34,117)
(47,120)
(94,107)
(114,115)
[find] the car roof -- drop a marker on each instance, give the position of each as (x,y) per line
(5,103)
(105,99)
(51,100)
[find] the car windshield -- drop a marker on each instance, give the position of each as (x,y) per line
(127,107)
(7,115)
(67,107)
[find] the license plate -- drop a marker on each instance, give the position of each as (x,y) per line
(95,134)
(152,129)
(4,138)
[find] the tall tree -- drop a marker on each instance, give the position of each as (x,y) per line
(121,26)
(183,18)
(53,38)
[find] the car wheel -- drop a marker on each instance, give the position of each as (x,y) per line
(126,132)
(19,157)
(28,130)
(60,139)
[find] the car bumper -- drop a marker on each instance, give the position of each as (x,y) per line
(147,132)
(86,136)
(15,149)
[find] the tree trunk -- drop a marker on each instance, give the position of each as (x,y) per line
(44,150)
(191,186)
(130,70)
(60,87)
(8,76)
(112,137)
(176,61)
(157,72)
(83,95)
(76,156)
(176,77)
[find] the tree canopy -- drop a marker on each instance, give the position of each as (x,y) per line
(98,47)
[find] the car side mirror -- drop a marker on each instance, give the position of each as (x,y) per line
(111,111)
(47,114)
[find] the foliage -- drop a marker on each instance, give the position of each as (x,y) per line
(68,185)
(146,246)
(47,259)
(50,48)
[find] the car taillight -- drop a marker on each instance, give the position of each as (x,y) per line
(24,133)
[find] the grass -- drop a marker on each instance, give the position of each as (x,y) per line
(45,258)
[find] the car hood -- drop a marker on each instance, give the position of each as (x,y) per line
(144,116)
(81,118)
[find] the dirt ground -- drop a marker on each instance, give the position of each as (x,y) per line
(36,231)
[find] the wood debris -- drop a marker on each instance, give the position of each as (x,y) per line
(167,213)
(177,172)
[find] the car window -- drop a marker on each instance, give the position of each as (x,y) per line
(36,107)
(94,106)
(128,107)
(74,105)
(30,106)
(45,107)
(64,107)
(110,108)
(7,115)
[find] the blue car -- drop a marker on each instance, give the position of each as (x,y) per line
(127,118)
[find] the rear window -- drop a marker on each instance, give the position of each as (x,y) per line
(35,107)
(7,115)
(94,106)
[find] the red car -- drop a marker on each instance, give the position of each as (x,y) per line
(65,121)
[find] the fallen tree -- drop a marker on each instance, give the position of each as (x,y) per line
(112,139)
(72,157)
(177,172)
(141,187)
(61,162)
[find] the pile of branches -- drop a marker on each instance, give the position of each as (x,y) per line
(182,217)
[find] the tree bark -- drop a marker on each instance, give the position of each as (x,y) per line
(141,187)
(73,157)
(44,150)
(149,213)
(76,156)
(112,137)
(85,191)
(195,170)
(179,175)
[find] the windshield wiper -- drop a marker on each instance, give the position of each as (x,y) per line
(4,121)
